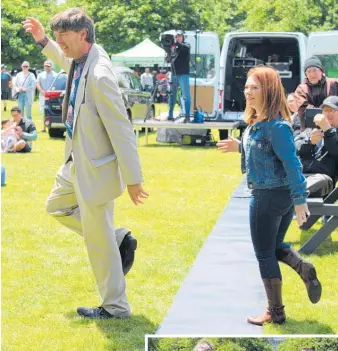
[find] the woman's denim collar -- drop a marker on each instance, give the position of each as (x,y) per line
(259,124)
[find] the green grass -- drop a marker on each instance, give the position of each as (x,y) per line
(45,270)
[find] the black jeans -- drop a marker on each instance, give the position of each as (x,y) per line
(271,212)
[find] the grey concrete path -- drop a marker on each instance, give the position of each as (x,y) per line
(223,287)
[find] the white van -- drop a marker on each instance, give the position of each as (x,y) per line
(286,51)
(207,52)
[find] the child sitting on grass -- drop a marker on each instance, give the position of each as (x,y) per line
(9,136)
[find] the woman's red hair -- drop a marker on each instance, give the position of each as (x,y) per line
(274,100)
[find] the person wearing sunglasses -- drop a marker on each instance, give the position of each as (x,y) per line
(25,84)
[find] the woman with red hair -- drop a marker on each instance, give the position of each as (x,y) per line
(274,173)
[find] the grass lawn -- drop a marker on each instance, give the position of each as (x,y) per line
(45,270)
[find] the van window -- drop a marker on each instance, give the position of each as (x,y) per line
(330,64)
(205,66)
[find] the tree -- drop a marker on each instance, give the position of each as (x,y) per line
(221,16)
(296,344)
(326,344)
(121,25)
(16,45)
(266,15)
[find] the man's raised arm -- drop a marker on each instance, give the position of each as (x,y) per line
(49,47)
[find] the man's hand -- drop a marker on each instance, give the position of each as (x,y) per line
(316,136)
(228,145)
(137,193)
(321,122)
(33,26)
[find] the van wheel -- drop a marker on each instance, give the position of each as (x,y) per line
(223,134)
(55,133)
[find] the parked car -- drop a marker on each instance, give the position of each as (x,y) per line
(138,103)
(53,106)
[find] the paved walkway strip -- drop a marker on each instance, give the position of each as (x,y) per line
(224,286)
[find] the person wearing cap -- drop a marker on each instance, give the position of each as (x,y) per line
(44,82)
(25,84)
(315,87)
(318,150)
(180,65)
(6,84)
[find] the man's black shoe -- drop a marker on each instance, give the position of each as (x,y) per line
(127,251)
(96,313)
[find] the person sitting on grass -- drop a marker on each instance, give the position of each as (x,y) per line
(25,131)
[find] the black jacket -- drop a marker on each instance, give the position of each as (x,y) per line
(180,59)
(319,160)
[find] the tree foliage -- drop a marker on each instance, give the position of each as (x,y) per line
(16,45)
(290,15)
(220,344)
(318,344)
(122,24)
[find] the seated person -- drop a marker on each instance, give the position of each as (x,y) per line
(295,122)
(318,150)
(8,135)
(26,131)
(315,87)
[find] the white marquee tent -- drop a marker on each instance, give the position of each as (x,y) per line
(145,53)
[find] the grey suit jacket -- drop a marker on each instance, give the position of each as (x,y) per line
(103,144)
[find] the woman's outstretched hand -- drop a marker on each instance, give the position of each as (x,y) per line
(228,145)
(302,212)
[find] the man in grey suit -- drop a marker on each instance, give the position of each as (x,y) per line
(100,155)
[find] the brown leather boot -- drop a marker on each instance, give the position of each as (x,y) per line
(305,269)
(275,311)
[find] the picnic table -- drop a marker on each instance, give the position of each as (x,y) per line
(318,208)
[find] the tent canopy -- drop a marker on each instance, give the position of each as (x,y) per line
(145,53)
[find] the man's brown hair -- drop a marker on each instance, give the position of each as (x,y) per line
(74,19)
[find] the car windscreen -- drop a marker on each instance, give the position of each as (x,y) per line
(59,82)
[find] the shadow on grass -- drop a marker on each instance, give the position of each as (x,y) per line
(121,334)
(304,327)
(327,247)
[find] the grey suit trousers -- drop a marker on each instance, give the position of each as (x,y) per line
(95,223)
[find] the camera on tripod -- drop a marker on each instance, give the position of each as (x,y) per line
(167,40)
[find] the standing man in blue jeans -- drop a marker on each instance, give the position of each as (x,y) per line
(180,59)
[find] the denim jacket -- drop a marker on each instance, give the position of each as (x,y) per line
(270,159)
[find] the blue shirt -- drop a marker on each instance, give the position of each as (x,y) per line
(79,65)
(46,79)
